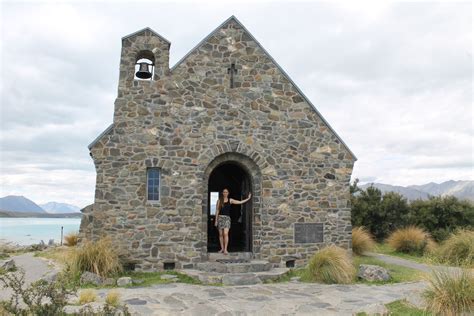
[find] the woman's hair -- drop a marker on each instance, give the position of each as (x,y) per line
(221,198)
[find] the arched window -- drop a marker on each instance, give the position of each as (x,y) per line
(144,65)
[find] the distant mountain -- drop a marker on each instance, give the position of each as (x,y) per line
(15,203)
(60,208)
(463,190)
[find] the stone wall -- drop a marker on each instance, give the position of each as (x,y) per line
(186,119)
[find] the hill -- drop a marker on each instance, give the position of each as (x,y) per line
(16,203)
(56,208)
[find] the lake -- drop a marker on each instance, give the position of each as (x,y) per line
(28,231)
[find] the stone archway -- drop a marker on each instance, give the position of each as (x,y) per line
(243,175)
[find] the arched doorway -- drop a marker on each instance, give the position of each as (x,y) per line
(237,180)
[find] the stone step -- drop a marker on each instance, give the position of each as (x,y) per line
(235,278)
(214,256)
(230,267)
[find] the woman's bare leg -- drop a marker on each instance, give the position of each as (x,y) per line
(226,239)
(221,239)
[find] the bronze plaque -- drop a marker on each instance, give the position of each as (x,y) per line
(308,233)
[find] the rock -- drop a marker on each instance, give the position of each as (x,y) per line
(168,277)
(137,281)
(89,277)
(93,308)
(375,309)
(373,273)
(9,265)
(124,281)
(295,279)
(240,279)
(72,309)
(108,281)
(50,277)
(51,242)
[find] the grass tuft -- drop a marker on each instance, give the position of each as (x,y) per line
(450,293)
(362,240)
(458,249)
(87,296)
(113,298)
(412,239)
(71,239)
(98,257)
(331,264)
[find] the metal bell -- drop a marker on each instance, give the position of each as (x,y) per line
(144,71)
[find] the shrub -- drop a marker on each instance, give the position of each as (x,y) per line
(87,296)
(457,249)
(39,298)
(331,265)
(409,240)
(450,293)
(71,239)
(112,298)
(99,257)
(362,240)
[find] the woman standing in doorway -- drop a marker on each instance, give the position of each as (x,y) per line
(223,217)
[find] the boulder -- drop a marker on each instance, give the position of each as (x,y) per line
(51,242)
(108,281)
(124,281)
(89,277)
(168,277)
(50,277)
(9,265)
(373,273)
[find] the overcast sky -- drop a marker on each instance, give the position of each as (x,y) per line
(394,81)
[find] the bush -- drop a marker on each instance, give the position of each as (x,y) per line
(40,298)
(409,240)
(112,298)
(71,239)
(362,240)
(450,293)
(331,264)
(87,296)
(98,257)
(457,249)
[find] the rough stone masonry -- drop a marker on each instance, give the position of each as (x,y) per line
(227,100)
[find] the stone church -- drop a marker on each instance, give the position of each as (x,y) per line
(225,116)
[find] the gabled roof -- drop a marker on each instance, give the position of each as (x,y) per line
(108,129)
(145,30)
(234,19)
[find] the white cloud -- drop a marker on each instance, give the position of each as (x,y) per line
(393,79)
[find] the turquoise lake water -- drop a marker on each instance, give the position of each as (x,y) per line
(28,231)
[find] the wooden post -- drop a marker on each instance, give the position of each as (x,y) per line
(62,227)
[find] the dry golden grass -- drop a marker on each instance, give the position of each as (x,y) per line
(410,240)
(87,296)
(113,298)
(331,264)
(458,249)
(71,239)
(99,257)
(362,240)
(450,293)
(62,255)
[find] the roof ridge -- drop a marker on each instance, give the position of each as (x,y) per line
(146,29)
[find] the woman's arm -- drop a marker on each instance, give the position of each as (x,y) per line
(232,201)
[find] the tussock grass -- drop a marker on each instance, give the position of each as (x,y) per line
(99,257)
(71,239)
(410,239)
(113,298)
(87,296)
(331,264)
(458,249)
(450,293)
(362,240)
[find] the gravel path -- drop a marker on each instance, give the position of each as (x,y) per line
(411,264)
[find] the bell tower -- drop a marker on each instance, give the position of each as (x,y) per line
(144,56)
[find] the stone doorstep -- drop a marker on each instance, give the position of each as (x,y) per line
(242,267)
(213,256)
(235,278)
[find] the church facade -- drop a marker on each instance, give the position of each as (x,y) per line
(225,116)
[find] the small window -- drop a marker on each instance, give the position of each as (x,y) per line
(153,184)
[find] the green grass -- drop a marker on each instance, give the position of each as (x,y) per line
(402,308)
(385,249)
(398,273)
